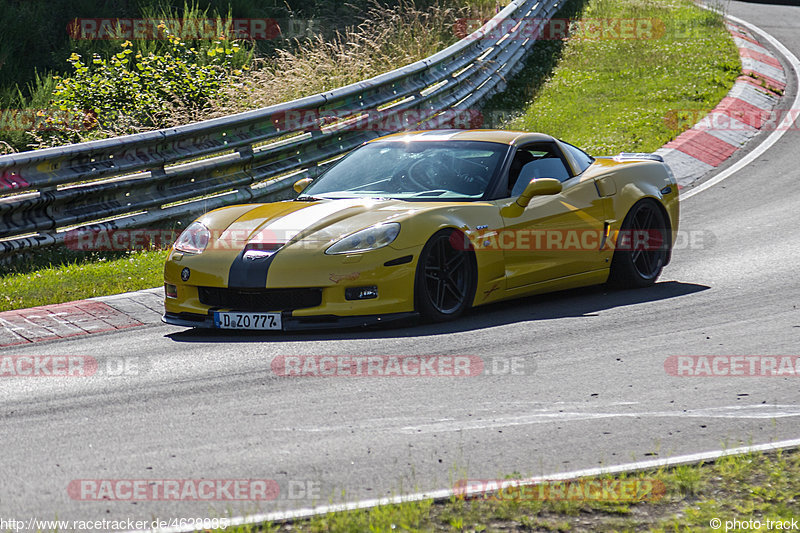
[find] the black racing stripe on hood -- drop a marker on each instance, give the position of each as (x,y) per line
(249,273)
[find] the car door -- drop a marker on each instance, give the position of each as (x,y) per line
(557,235)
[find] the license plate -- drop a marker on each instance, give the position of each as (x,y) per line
(257,321)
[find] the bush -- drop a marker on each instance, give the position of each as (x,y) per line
(132,90)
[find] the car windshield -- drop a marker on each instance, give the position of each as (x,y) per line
(430,170)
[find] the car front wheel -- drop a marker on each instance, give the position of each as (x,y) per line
(445,278)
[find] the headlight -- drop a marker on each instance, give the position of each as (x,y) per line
(194,239)
(371,238)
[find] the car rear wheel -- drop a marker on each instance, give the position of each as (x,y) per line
(445,281)
(642,247)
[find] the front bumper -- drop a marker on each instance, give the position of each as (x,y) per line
(298,271)
(290,323)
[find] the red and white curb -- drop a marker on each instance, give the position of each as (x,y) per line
(783,124)
(756,60)
(737,118)
(84,317)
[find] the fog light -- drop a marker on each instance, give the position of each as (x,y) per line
(361,293)
(170,290)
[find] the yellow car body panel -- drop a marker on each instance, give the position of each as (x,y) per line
(592,203)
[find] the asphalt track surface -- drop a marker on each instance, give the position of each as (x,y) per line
(592,389)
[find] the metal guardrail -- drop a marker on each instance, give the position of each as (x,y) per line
(138,180)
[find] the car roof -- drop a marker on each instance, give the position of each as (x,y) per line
(496,136)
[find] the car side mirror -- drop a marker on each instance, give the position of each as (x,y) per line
(538,187)
(299,185)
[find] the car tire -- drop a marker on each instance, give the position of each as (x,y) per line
(444,286)
(639,260)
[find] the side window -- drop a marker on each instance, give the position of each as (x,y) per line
(535,161)
(581,158)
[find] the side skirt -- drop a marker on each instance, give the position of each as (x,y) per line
(584,279)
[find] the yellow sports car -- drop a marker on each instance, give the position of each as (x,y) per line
(426,224)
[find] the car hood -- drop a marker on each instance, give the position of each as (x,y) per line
(314,224)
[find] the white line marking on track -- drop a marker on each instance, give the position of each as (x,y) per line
(732,411)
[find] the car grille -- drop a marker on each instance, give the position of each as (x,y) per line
(259,299)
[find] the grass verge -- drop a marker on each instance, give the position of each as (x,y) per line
(77,279)
(747,488)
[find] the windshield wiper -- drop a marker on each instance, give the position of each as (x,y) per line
(436,192)
(308,199)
